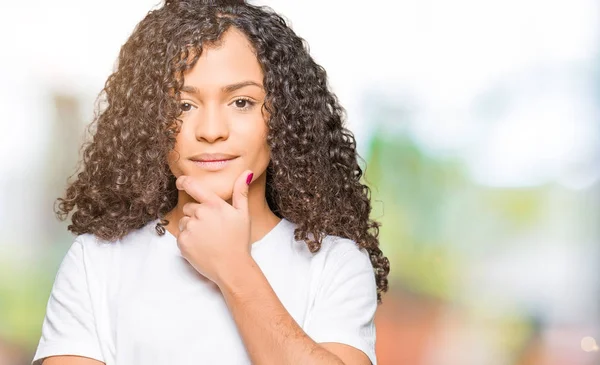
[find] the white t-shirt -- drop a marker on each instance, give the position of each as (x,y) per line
(138,301)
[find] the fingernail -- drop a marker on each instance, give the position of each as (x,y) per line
(179,181)
(249,178)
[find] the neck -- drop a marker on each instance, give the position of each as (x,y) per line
(262,219)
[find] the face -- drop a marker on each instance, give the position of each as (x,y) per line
(224,131)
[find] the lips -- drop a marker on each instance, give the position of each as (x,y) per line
(212,161)
(212,157)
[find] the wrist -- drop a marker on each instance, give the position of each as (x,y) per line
(237,273)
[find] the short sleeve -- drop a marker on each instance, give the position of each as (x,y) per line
(345,303)
(69,325)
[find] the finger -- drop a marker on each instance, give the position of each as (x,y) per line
(189,209)
(240,191)
(194,188)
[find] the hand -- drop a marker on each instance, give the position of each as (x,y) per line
(215,236)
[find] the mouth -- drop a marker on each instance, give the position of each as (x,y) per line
(213,165)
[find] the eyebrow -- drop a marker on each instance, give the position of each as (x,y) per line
(225,89)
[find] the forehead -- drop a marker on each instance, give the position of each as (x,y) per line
(231,61)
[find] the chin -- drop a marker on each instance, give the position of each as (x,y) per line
(225,195)
(219,183)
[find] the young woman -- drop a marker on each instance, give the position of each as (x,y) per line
(219,213)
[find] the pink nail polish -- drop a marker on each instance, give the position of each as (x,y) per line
(249,178)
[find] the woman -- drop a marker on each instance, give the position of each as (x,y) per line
(219,213)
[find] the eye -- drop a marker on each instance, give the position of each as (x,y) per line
(243,103)
(186,107)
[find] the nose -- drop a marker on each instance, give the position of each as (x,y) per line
(212,125)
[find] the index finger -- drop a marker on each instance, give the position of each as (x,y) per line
(193,187)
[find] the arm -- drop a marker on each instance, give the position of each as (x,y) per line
(70,360)
(269,332)
(342,313)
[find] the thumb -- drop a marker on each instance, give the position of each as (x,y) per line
(240,191)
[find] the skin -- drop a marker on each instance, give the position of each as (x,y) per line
(225,122)
(230,214)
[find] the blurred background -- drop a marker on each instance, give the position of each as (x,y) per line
(478,124)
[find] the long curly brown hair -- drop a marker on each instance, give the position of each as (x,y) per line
(313,178)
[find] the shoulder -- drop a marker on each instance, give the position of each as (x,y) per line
(334,250)
(95,251)
(338,251)
(101,260)
(90,241)
(342,265)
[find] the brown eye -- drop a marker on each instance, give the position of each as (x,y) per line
(241,103)
(244,104)
(186,107)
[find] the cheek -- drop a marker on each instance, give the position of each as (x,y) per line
(173,160)
(262,151)
(257,154)
(263,157)
(252,136)
(174,157)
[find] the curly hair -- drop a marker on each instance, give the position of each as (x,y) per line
(313,177)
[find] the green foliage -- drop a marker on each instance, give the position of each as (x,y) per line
(24,291)
(434,218)
(409,192)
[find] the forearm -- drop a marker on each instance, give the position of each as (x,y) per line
(269,332)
